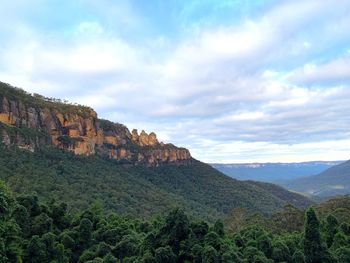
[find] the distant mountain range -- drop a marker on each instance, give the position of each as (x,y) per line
(320,179)
(331,182)
(273,172)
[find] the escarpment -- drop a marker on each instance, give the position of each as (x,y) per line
(32,121)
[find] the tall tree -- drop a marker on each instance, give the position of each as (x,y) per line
(312,240)
(176,229)
(331,229)
(85,233)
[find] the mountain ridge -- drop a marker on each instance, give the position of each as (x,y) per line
(65,152)
(273,172)
(30,121)
(331,182)
(136,190)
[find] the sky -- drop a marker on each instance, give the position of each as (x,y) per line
(232,81)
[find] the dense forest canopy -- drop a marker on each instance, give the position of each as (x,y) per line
(139,191)
(32,231)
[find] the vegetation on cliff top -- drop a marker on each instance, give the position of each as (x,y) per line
(39,102)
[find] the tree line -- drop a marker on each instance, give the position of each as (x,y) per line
(36,232)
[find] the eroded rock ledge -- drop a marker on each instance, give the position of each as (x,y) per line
(32,121)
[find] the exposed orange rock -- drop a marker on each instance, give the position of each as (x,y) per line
(122,153)
(84,134)
(110,139)
(143,138)
(84,147)
(152,139)
(73,133)
(99,137)
(134,135)
(7,118)
(60,117)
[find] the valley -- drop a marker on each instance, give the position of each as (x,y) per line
(81,189)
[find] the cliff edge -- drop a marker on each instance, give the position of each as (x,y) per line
(31,121)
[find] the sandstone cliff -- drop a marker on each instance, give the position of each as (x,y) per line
(33,121)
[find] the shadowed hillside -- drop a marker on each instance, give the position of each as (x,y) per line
(333,181)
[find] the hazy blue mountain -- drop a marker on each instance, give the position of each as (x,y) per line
(274,172)
(331,182)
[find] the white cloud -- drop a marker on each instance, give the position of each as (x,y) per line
(242,116)
(333,72)
(254,91)
(241,151)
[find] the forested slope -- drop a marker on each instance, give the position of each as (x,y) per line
(65,151)
(133,190)
(334,181)
(36,232)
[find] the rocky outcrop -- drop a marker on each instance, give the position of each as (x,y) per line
(31,122)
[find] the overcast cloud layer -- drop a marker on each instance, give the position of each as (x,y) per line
(259,81)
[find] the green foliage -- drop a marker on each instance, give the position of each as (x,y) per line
(38,101)
(176,228)
(230,257)
(36,251)
(298,257)
(280,252)
(312,241)
(30,136)
(109,258)
(5,201)
(210,255)
(343,254)
(41,224)
(331,226)
(21,216)
(213,239)
(264,243)
(165,254)
(48,233)
(219,228)
(291,219)
(85,233)
(107,125)
(129,190)
(128,246)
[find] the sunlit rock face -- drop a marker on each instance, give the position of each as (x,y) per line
(30,122)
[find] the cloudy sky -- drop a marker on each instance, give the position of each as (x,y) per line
(233,81)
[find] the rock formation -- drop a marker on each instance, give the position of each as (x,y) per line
(31,122)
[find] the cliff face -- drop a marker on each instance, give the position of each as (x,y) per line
(32,121)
